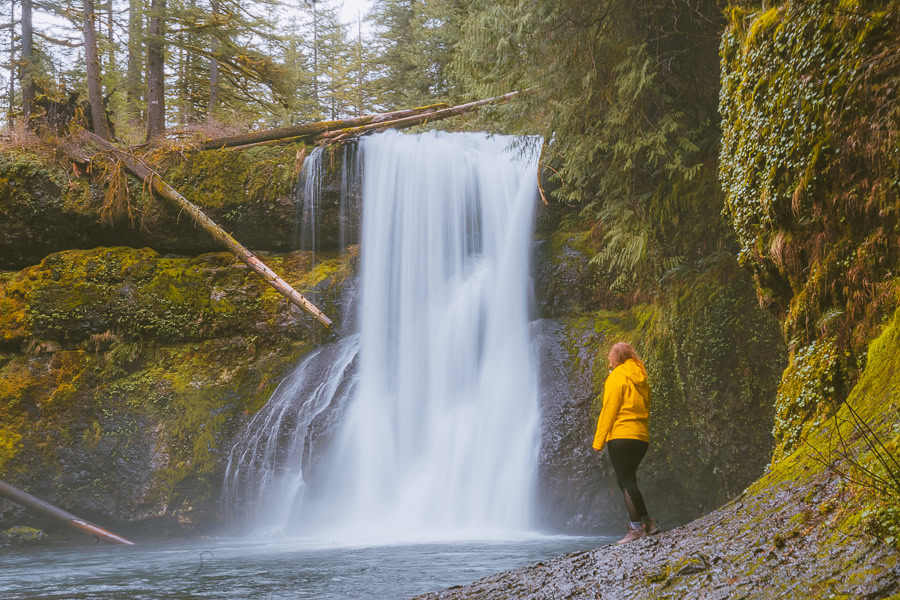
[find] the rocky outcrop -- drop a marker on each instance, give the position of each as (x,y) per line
(23,536)
(48,206)
(124,376)
(710,425)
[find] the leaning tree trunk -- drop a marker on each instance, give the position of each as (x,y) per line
(48,510)
(156,91)
(307,130)
(152,180)
(95,95)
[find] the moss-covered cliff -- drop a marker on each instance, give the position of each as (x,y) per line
(124,375)
(48,205)
(811,175)
(712,413)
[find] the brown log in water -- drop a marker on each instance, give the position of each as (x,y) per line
(48,510)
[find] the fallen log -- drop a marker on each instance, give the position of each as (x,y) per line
(337,135)
(139,168)
(336,131)
(48,510)
(307,130)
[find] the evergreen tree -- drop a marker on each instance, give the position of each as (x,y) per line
(415,40)
(624,95)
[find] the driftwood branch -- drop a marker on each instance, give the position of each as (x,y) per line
(48,510)
(336,131)
(139,168)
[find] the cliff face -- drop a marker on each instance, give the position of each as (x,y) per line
(711,415)
(124,376)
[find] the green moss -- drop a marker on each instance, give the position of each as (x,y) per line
(876,400)
(137,294)
(807,388)
(10,442)
(31,184)
(230,179)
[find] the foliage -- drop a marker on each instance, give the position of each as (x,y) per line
(808,161)
(808,386)
(624,96)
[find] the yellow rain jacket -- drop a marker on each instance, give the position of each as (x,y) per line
(626,405)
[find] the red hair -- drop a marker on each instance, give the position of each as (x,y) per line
(622,351)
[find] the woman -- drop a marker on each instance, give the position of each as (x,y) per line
(622,427)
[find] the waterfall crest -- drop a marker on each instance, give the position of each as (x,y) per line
(434,433)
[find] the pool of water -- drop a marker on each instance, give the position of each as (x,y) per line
(233,568)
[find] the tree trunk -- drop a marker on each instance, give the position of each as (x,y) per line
(156,92)
(133,81)
(213,69)
(27,61)
(110,49)
(333,134)
(151,179)
(308,130)
(182,82)
(315,55)
(12,61)
(332,131)
(95,94)
(48,510)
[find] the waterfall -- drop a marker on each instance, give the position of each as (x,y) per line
(306,194)
(425,423)
(351,183)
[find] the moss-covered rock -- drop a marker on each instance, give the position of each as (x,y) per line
(136,294)
(711,415)
(48,206)
(128,374)
(809,166)
(23,536)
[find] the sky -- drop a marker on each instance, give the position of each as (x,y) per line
(350,8)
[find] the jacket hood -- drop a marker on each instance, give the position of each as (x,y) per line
(633,370)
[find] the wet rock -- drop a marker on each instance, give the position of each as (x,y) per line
(20,535)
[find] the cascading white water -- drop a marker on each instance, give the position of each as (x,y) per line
(307,193)
(439,437)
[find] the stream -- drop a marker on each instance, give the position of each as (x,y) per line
(240,568)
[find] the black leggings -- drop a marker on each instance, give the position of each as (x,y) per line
(625,456)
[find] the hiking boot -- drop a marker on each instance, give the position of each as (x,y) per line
(650,526)
(633,534)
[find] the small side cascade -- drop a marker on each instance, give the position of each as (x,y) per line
(351,191)
(267,470)
(307,194)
